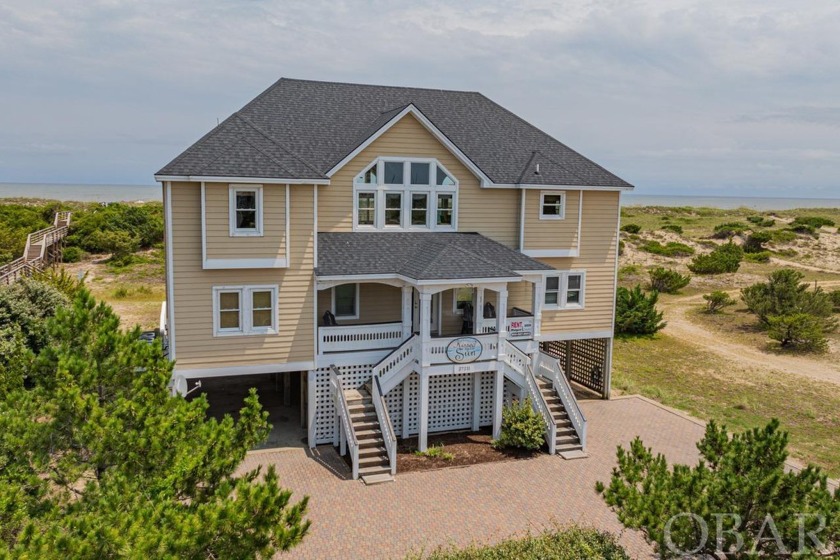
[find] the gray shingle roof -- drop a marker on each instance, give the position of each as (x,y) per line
(298,129)
(419,255)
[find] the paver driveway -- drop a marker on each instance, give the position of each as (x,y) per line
(482,503)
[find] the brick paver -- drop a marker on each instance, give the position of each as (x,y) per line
(481,503)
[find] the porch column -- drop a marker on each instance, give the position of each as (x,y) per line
(423,413)
(407,292)
(537,305)
(498,402)
(425,325)
(501,321)
(478,320)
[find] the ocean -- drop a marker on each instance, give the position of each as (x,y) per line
(117,193)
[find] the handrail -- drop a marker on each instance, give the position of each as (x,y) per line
(46,237)
(516,358)
(541,406)
(387,367)
(385,423)
(564,390)
(343,412)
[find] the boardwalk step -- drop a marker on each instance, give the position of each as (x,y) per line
(381,478)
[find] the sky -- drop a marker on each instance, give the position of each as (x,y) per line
(677,97)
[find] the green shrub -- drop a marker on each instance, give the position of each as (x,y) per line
(805,229)
(72,255)
(783,236)
(62,281)
(815,222)
(756,240)
(835,299)
(631,228)
(572,543)
(635,312)
(798,330)
(761,221)
(762,257)
(743,472)
(522,427)
(729,229)
(142,223)
(724,258)
(673,227)
(620,247)
(717,300)
(667,280)
(25,307)
(436,451)
(785,294)
(670,249)
(629,270)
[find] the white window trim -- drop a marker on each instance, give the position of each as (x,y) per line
(562,215)
(407,189)
(246,310)
(234,231)
(563,290)
(345,317)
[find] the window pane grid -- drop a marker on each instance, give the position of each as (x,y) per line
(345,300)
(393,209)
(367,208)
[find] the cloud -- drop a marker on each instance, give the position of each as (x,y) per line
(665,94)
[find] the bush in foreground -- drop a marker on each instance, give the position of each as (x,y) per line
(522,427)
(674,228)
(798,330)
(835,300)
(572,543)
(635,312)
(784,293)
(717,300)
(631,228)
(99,461)
(729,229)
(744,474)
(667,280)
(724,258)
(815,222)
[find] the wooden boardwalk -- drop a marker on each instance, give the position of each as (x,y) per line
(43,248)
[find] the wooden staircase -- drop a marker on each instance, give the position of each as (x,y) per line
(374,465)
(568,444)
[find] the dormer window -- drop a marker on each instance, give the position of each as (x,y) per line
(405,194)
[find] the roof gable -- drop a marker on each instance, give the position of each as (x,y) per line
(304,130)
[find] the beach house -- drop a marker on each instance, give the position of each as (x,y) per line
(410,259)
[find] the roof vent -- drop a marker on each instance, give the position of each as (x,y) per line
(537,169)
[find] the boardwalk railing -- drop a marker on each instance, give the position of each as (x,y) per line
(37,254)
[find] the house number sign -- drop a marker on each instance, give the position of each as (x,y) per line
(464,350)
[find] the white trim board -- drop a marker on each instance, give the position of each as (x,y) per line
(551,253)
(263,180)
(221,264)
(428,125)
(230,371)
(170,273)
(575,335)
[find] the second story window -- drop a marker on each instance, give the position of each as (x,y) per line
(552,205)
(400,194)
(245,210)
(564,290)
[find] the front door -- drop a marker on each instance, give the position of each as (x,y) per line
(415,315)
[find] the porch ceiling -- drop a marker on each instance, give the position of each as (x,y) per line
(420,256)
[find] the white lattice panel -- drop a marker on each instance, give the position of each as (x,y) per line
(352,377)
(450,402)
(488,380)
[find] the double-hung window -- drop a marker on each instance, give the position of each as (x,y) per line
(564,290)
(246,212)
(244,310)
(400,194)
(345,301)
(552,205)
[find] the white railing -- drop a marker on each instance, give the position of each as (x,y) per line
(541,407)
(434,352)
(354,338)
(549,368)
(518,328)
(346,434)
(389,368)
(384,423)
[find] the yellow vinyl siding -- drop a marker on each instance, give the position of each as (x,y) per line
(196,346)
(551,234)
(220,244)
(597,257)
(378,303)
(492,212)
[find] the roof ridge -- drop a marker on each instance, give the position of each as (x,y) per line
(377,86)
(210,133)
(276,143)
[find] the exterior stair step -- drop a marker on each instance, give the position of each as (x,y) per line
(573,439)
(377,478)
(573,454)
(375,469)
(374,461)
(368,434)
(372,449)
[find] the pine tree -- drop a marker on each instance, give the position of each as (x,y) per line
(97,460)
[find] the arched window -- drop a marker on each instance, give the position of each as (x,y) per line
(405,194)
